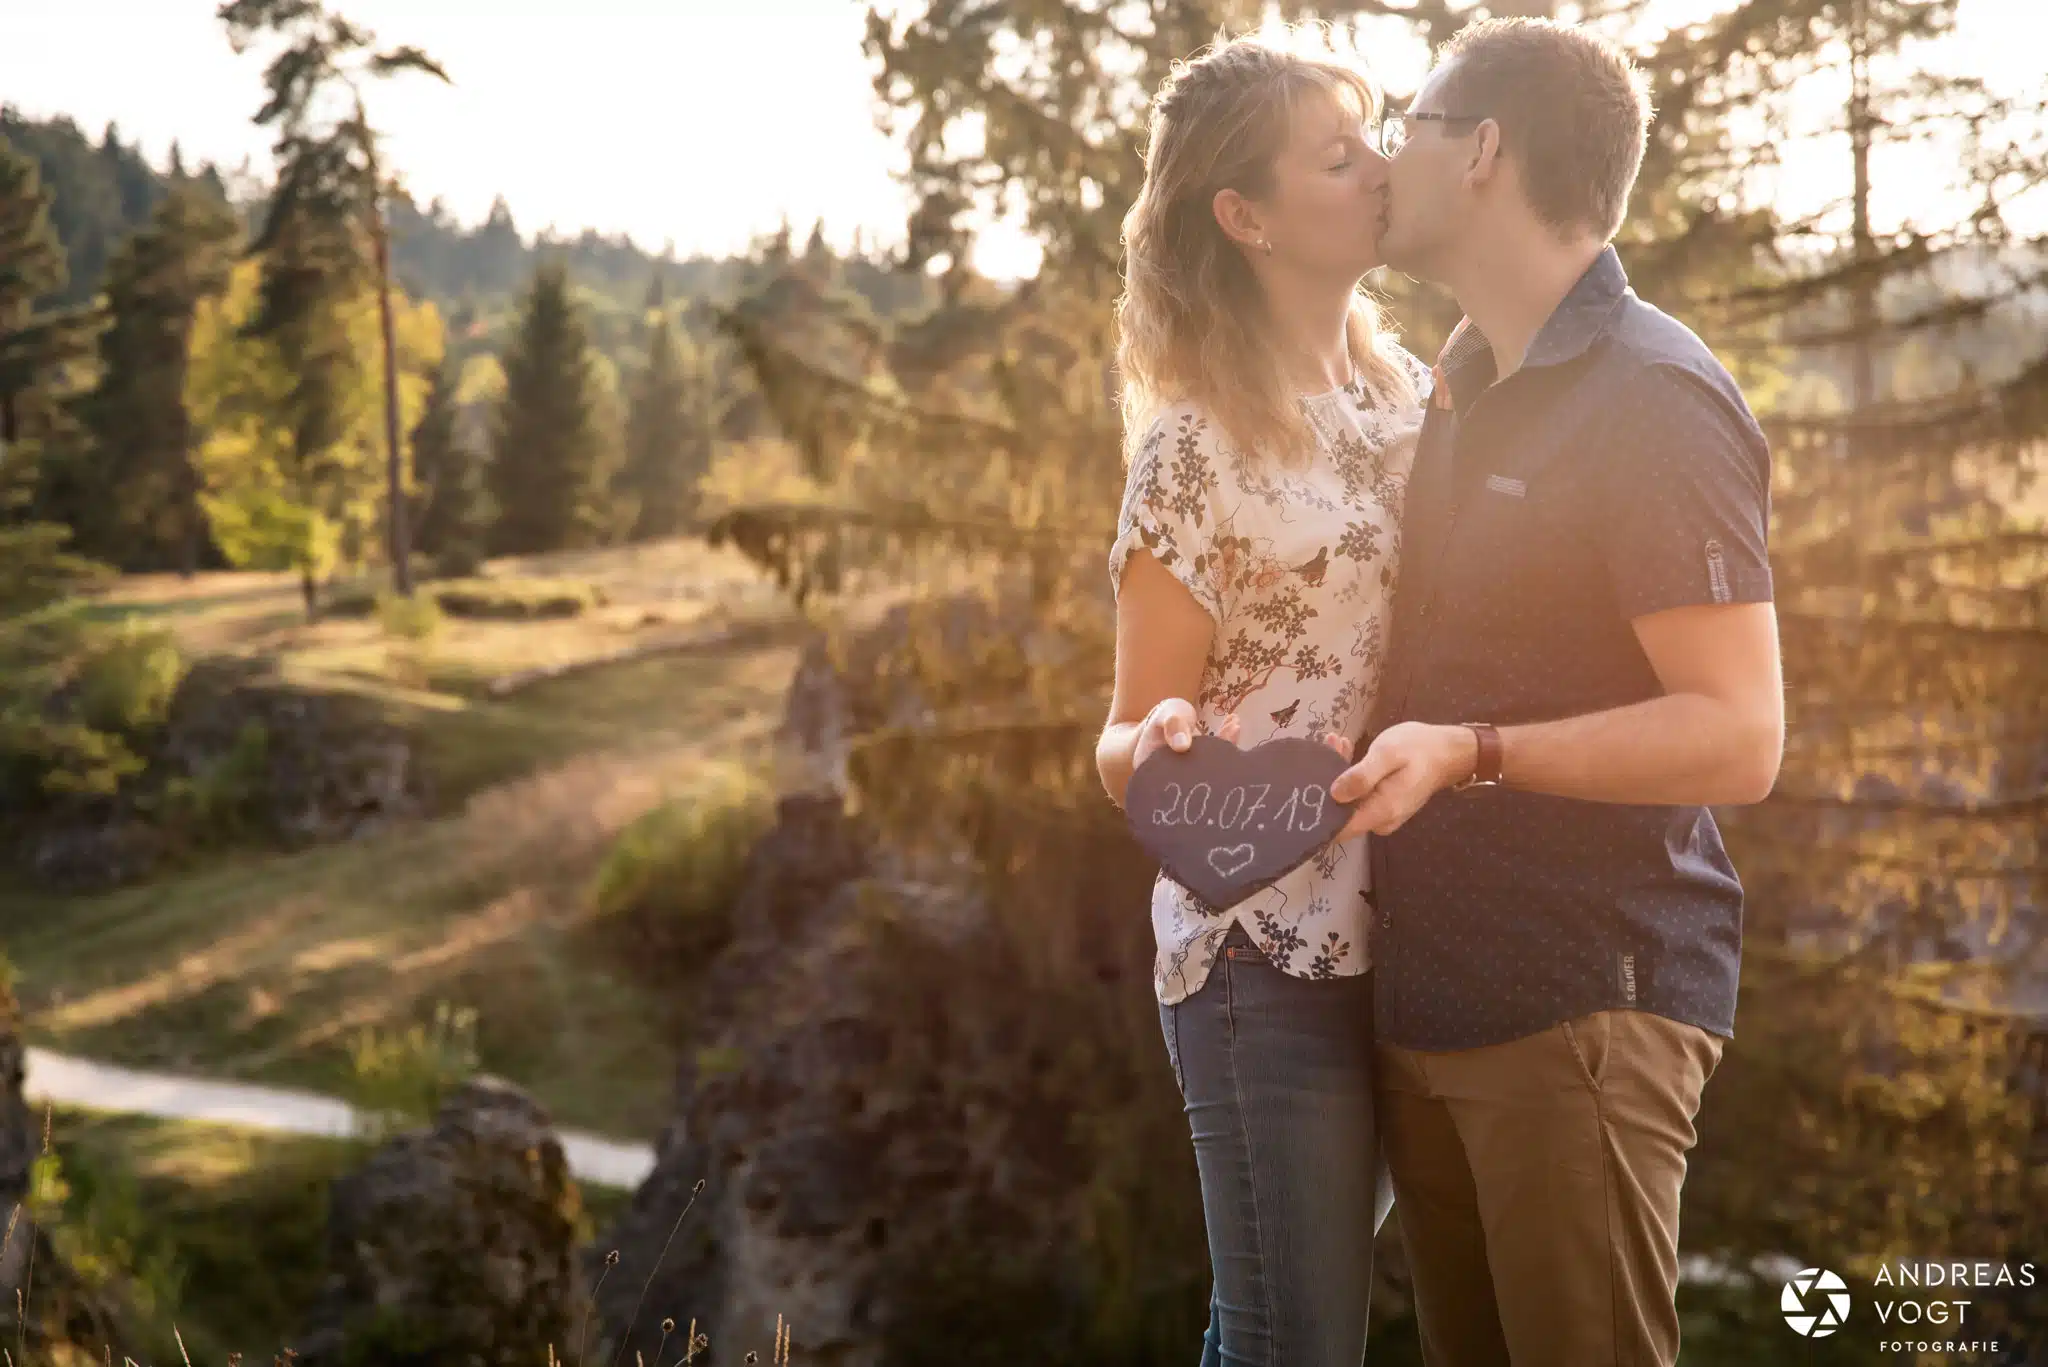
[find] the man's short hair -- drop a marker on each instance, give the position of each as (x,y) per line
(1573,110)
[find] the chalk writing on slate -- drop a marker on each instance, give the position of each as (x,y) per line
(1224,822)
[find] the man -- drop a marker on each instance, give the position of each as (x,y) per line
(1584,648)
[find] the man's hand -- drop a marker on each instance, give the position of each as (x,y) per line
(1405,766)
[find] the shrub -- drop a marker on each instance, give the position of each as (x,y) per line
(516,599)
(94,1215)
(73,693)
(398,1078)
(673,872)
(490,599)
(351,600)
(127,681)
(414,618)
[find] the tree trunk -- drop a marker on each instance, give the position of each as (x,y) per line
(1863,295)
(401,560)
(191,518)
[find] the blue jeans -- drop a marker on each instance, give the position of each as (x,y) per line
(1276,1074)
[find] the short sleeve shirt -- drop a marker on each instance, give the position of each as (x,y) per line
(1617,473)
(1296,570)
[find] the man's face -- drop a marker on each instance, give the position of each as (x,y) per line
(1427,204)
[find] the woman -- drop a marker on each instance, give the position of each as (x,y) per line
(1271,421)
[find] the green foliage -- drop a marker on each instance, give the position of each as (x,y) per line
(126,684)
(505,600)
(76,699)
(417,617)
(36,344)
(132,490)
(452,514)
(670,878)
(517,599)
(289,449)
(551,462)
(222,803)
(235,1220)
(34,258)
(97,1221)
(37,569)
(398,1078)
(266,529)
(323,233)
(669,433)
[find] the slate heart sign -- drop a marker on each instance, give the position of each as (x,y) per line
(1224,821)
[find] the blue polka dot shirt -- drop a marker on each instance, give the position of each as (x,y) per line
(1618,472)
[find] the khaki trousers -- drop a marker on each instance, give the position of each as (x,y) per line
(1536,1183)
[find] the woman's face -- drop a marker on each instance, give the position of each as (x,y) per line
(1329,184)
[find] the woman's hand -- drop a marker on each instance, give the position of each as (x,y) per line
(1171,723)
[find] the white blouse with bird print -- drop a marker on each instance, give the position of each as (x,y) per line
(1297,572)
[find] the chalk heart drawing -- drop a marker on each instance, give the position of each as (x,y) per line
(1224,822)
(1229,859)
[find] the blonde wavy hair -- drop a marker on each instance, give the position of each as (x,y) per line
(1192,323)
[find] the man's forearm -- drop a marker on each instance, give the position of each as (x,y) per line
(1678,750)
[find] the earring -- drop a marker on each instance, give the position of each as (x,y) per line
(1265,246)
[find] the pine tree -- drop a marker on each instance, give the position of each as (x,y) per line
(135,498)
(35,343)
(451,513)
(42,642)
(332,186)
(547,473)
(312,265)
(667,444)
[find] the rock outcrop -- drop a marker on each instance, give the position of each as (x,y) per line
(860,1131)
(242,756)
(455,1245)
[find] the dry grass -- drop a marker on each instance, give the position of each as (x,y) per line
(262,967)
(665,586)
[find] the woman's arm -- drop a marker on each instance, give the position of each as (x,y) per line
(1162,645)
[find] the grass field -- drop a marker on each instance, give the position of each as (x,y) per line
(262,966)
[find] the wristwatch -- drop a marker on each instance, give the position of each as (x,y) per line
(1486,772)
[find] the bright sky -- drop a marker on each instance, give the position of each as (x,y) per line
(701,121)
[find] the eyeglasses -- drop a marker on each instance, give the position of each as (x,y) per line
(1394,128)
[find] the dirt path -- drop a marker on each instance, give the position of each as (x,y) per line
(107,1087)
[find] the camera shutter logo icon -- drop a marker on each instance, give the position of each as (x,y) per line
(1815,1302)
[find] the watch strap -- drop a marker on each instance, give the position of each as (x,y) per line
(1486,771)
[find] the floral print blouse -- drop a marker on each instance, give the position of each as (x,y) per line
(1297,571)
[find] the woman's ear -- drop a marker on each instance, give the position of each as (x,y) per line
(1238,219)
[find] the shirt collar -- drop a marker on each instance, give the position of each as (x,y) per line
(1466,365)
